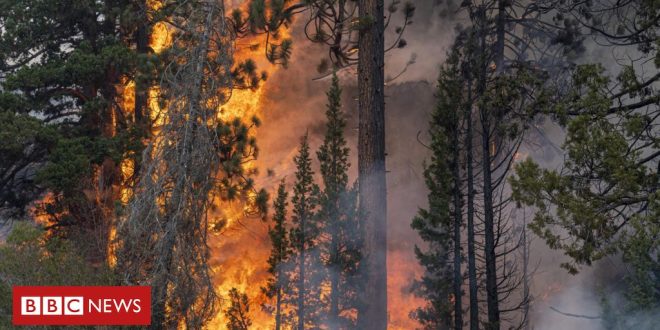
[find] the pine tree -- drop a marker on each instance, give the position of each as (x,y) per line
(439,225)
(197,155)
(605,194)
(278,284)
(238,311)
(339,215)
(63,65)
(304,236)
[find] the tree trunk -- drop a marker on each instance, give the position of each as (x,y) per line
(301,279)
(173,216)
(472,264)
(500,25)
(489,230)
(142,47)
(371,163)
(458,217)
(140,108)
(278,305)
(335,269)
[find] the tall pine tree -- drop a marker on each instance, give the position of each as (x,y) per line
(278,284)
(62,67)
(304,241)
(339,214)
(439,224)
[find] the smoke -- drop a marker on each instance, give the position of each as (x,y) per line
(294,107)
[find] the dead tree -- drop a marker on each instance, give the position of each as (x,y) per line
(194,157)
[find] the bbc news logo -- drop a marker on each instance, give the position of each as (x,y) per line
(81,305)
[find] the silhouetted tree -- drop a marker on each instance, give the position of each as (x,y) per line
(339,214)
(439,226)
(238,311)
(278,284)
(304,240)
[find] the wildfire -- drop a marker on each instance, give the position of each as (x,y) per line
(37,210)
(240,246)
(159,40)
(400,300)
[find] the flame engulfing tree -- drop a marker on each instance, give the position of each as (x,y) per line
(60,114)
(193,158)
(238,312)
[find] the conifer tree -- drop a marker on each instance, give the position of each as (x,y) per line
(238,311)
(304,236)
(278,284)
(439,225)
(62,66)
(339,214)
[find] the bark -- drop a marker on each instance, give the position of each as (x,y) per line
(525,247)
(142,48)
(301,279)
(175,222)
(472,264)
(140,108)
(492,301)
(500,26)
(489,229)
(371,163)
(334,271)
(458,216)
(278,306)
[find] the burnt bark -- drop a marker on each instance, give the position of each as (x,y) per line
(472,264)
(371,162)
(458,220)
(489,228)
(301,278)
(142,48)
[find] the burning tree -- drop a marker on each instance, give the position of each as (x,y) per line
(238,312)
(194,156)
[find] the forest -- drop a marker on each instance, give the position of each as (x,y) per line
(336,164)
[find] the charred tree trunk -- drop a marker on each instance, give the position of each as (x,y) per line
(472,264)
(492,302)
(458,217)
(142,48)
(492,297)
(500,26)
(334,271)
(278,305)
(489,228)
(301,279)
(371,162)
(140,108)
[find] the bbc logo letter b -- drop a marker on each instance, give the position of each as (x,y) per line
(31,305)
